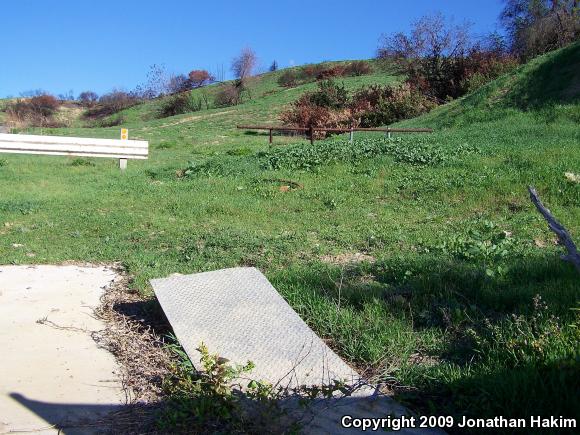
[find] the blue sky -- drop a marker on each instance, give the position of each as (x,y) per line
(78,45)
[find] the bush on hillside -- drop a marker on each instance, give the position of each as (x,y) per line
(230,94)
(112,121)
(288,79)
(357,68)
(111,103)
(325,107)
(305,114)
(377,105)
(331,105)
(332,72)
(35,111)
(310,73)
(483,66)
(180,103)
(329,94)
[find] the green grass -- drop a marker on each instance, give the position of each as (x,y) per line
(448,312)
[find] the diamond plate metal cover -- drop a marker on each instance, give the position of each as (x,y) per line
(238,314)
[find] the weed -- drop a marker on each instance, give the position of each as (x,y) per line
(220,396)
(24,207)
(416,151)
(82,162)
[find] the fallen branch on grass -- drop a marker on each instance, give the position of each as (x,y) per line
(563,236)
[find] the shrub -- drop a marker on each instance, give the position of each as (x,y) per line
(310,72)
(44,105)
(373,106)
(329,94)
(328,73)
(111,103)
(483,66)
(180,103)
(377,105)
(36,111)
(325,107)
(82,162)
(112,121)
(357,68)
(288,79)
(230,94)
(305,114)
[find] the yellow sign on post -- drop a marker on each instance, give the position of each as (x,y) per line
(124,136)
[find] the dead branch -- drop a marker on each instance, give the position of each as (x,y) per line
(294,184)
(563,235)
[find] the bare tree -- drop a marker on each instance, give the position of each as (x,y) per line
(88,98)
(243,65)
(178,83)
(431,37)
(156,84)
(430,53)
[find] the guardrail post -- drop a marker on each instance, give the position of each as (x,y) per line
(351,135)
(388,133)
(124,136)
(270,136)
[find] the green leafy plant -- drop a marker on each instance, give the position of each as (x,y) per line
(418,151)
(79,161)
(220,396)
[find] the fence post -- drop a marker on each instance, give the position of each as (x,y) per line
(311,135)
(388,133)
(351,135)
(270,136)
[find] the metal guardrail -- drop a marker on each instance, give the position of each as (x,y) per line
(312,130)
(121,149)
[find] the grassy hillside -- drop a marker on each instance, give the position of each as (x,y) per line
(462,305)
(215,129)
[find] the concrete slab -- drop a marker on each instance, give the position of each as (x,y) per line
(238,314)
(51,371)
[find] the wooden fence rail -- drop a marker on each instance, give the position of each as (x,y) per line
(312,130)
